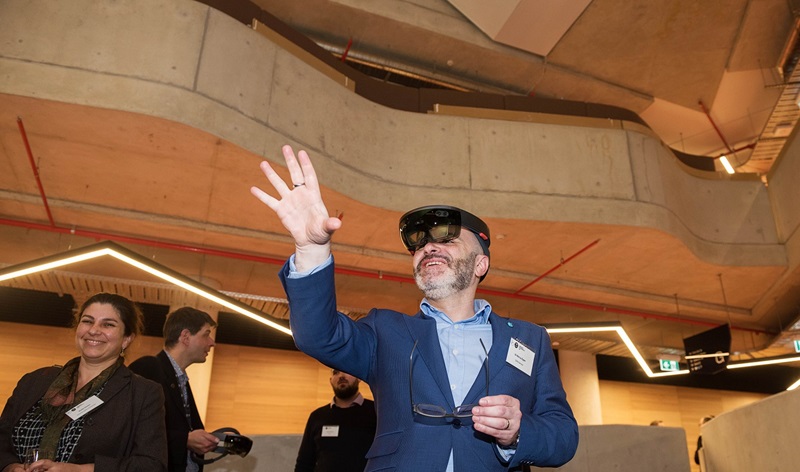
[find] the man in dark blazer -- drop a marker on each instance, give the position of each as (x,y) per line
(187,340)
(457,387)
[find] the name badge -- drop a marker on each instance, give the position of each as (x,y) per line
(520,356)
(330,431)
(84,407)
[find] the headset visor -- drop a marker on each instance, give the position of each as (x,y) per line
(436,225)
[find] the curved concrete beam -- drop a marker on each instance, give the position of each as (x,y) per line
(186,62)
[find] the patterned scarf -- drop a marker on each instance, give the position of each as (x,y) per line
(61,397)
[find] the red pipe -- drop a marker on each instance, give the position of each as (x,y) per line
(347,49)
(35,170)
(352,272)
(719,133)
(557,266)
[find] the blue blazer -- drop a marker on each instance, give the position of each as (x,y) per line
(376,349)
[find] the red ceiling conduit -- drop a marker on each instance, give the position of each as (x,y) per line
(711,120)
(719,133)
(563,262)
(35,169)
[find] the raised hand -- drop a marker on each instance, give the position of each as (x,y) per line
(300,208)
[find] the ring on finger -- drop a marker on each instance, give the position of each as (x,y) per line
(299,185)
(508,423)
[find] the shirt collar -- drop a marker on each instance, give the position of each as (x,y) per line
(359,400)
(180,373)
(482,310)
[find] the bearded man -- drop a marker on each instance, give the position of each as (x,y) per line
(457,387)
(339,434)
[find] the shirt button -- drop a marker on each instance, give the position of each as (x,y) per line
(455,352)
(452,387)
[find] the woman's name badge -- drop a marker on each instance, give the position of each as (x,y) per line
(520,356)
(84,407)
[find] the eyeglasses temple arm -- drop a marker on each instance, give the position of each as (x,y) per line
(411,374)
(487,365)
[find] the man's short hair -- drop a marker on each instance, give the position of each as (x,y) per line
(185,318)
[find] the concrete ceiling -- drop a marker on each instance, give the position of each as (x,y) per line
(706,76)
(113,174)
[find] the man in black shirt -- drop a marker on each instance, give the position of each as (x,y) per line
(338,435)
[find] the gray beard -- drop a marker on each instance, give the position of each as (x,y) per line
(443,287)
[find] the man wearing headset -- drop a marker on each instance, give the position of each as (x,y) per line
(456,386)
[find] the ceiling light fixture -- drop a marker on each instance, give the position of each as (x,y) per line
(765,361)
(118,252)
(617,328)
(727,165)
(706,356)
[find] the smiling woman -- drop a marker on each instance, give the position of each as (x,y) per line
(93,411)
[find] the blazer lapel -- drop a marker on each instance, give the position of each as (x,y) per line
(118,380)
(502,332)
(429,353)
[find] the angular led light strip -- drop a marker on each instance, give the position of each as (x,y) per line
(616,327)
(118,252)
(707,356)
(765,361)
(600,327)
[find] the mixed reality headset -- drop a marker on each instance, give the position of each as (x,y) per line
(230,443)
(440,224)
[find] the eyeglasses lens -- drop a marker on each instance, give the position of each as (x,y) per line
(434,411)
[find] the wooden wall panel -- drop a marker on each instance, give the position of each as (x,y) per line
(266,391)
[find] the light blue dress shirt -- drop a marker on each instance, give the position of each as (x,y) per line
(461,348)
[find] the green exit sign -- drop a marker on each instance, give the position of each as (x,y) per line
(797,345)
(669,366)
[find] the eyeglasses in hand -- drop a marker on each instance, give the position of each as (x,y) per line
(435,411)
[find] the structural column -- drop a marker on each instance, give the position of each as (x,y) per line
(579,376)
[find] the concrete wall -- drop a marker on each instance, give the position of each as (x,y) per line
(624,448)
(758,437)
(602,448)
